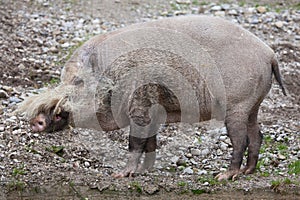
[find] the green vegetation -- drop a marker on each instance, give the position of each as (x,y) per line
(136,187)
(210,179)
(182,184)
(54,81)
(198,191)
(242,3)
(195,2)
(16,183)
(294,168)
(58,150)
(18,171)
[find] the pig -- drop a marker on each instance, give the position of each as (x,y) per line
(179,69)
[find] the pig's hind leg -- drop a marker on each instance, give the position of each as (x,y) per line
(255,140)
(236,125)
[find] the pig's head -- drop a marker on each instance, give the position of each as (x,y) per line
(47,111)
(49,122)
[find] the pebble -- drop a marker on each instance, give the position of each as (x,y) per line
(195,152)
(188,170)
(279,24)
(281,157)
(261,9)
(3,94)
(220,13)
(21,66)
(183,1)
(202,172)
(87,164)
(233,12)
(216,8)
(205,152)
(14,100)
(53,49)
(225,6)
(7,88)
(65,45)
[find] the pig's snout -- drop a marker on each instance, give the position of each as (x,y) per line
(38,124)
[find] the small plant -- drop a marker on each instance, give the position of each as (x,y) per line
(209,179)
(242,3)
(54,81)
(268,140)
(16,183)
(203,3)
(294,168)
(137,187)
(172,169)
(182,183)
(265,174)
(275,184)
(58,150)
(18,171)
(198,191)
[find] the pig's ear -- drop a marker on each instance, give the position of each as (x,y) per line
(57,118)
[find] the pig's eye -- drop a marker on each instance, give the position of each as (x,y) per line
(41,123)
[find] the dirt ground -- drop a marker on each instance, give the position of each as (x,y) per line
(49,176)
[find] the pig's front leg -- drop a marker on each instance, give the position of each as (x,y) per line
(138,146)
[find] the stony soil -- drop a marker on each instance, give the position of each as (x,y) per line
(36,39)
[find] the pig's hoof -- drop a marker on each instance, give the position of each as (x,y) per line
(122,174)
(248,170)
(231,174)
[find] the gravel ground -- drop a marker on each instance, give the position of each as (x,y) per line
(36,39)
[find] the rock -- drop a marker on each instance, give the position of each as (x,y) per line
(202,172)
(2,128)
(220,13)
(21,66)
(261,9)
(195,152)
(181,162)
(3,94)
(233,12)
(14,100)
(205,183)
(65,45)
(225,6)
(216,8)
(7,88)
(279,24)
(151,189)
(205,152)
(53,49)
(189,155)
(223,137)
(281,157)
(183,1)
(174,159)
(188,170)
(223,146)
(87,164)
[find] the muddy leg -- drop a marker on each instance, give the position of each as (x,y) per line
(150,154)
(255,140)
(237,131)
(136,148)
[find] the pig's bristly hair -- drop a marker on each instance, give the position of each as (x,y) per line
(45,102)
